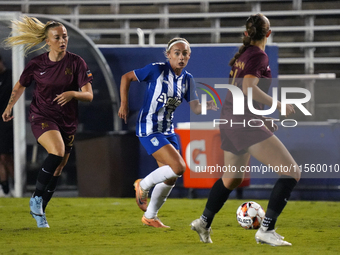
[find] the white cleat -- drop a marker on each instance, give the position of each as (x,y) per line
(41,220)
(270,237)
(203,232)
(36,205)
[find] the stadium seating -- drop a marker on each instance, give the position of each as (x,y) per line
(307,32)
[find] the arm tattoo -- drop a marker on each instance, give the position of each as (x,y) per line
(11,99)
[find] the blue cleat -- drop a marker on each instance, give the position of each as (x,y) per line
(36,205)
(41,220)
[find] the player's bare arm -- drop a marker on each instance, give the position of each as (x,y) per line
(125,83)
(251,81)
(18,90)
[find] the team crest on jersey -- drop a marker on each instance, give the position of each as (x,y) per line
(68,71)
(154,141)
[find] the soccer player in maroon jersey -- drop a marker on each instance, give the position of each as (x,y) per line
(250,69)
(62,78)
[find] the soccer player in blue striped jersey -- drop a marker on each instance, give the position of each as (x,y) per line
(167,85)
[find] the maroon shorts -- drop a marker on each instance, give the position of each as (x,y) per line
(40,126)
(239,139)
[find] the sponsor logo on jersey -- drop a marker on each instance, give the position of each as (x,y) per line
(89,74)
(171,102)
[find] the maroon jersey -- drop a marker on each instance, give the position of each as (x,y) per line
(52,79)
(253,61)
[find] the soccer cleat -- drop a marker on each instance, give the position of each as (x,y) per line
(41,220)
(203,232)
(270,237)
(155,222)
(141,196)
(36,205)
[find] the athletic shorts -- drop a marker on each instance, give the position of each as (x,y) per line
(239,139)
(6,141)
(40,126)
(154,142)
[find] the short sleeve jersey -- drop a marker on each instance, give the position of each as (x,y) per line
(53,78)
(253,61)
(165,92)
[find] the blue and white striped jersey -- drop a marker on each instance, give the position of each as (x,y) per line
(165,91)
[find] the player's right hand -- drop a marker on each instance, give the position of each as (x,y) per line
(7,115)
(289,110)
(123,113)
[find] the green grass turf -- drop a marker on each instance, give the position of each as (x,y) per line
(113,226)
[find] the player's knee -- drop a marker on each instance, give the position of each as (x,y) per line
(179,167)
(171,182)
(57,149)
(231,183)
(58,152)
(295,174)
(238,182)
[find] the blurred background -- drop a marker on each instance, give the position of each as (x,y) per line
(117,36)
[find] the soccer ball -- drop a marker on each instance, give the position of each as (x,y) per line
(250,215)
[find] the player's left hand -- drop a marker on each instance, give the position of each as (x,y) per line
(64,98)
(212,106)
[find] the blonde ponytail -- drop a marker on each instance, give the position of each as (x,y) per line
(29,32)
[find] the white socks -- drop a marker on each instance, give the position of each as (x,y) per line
(159,195)
(159,175)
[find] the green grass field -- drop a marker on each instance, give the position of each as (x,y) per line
(113,226)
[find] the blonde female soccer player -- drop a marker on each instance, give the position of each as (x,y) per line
(168,84)
(62,78)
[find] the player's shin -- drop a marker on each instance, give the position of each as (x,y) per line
(278,200)
(158,197)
